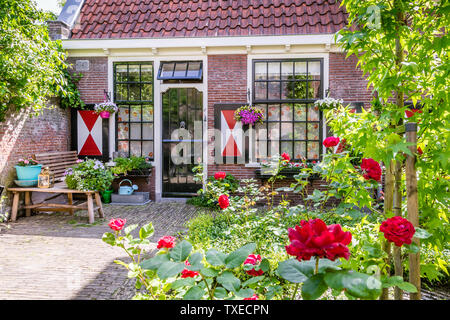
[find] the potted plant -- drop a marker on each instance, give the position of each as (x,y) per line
(28,169)
(136,166)
(89,175)
(105,109)
(249,115)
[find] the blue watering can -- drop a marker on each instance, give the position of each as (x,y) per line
(127,189)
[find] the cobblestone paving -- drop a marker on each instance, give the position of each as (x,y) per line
(58,256)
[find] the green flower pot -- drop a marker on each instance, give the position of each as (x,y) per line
(106,196)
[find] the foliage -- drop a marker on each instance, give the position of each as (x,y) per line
(89,175)
(72,98)
(32,66)
(125,165)
(27,162)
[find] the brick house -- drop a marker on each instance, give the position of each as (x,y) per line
(178,69)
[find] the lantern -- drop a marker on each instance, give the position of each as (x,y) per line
(46,179)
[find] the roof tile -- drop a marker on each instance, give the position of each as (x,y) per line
(204,18)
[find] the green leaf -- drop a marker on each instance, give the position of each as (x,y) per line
(252,281)
(245,293)
(109,238)
(130,228)
(357,284)
(314,287)
(265,265)
(215,258)
(179,283)
(292,271)
(220,293)
(422,233)
(170,269)
(181,251)
(412,248)
(195,260)
(237,257)
(146,231)
(209,272)
(408,287)
(194,293)
(155,262)
(229,281)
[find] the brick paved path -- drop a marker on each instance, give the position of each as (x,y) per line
(58,256)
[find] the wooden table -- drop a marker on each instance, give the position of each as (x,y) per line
(59,188)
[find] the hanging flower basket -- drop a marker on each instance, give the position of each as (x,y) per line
(105,109)
(249,115)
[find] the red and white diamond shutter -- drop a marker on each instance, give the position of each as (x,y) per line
(231,145)
(89,133)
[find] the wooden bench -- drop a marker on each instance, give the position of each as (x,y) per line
(58,162)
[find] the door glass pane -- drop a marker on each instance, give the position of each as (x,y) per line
(122,131)
(135,113)
(123,113)
(122,146)
(135,132)
(147,113)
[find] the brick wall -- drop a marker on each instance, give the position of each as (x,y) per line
(346,80)
(95,77)
(22,136)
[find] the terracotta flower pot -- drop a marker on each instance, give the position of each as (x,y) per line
(104,114)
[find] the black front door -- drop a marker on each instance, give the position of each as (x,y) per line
(182,136)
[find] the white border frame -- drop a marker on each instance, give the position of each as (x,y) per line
(158,89)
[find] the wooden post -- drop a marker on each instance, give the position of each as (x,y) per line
(397,209)
(413,206)
(90,205)
(98,202)
(27,203)
(70,201)
(15,206)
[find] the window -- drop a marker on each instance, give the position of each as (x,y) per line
(133,94)
(180,70)
(286,90)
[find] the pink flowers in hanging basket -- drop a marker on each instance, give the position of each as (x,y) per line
(314,238)
(104,114)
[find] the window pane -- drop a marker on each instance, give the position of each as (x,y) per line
(287,90)
(260,90)
(121,73)
(300,90)
(313,113)
(300,131)
(287,70)
(274,71)
(313,131)
(299,150)
(167,69)
(122,131)
(314,69)
(260,71)
(122,146)
(123,113)
(180,69)
(135,132)
(286,147)
(135,113)
(147,72)
(300,112)
(135,148)
(274,91)
(300,68)
(274,131)
(194,69)
(314,90)
(274,112)
(313,150)
(121,92)
(286,112)
(147,92)
(133,73)
(135,92)
(286,131)
(147,113)
(147,131)
(274,148)
(147,149)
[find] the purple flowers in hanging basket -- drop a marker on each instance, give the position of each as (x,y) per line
(248,115)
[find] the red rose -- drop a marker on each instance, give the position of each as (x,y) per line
(224,202)
(285,156)
(254,260)
(220,175)
(342,145)
(315,238)
(398,230)
(117,224)
(412,112)
(419,151)
(166,242)
(331,142)
(371,168)
(253,297)
(186,273)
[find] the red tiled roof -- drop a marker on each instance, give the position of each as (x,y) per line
(206,18)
